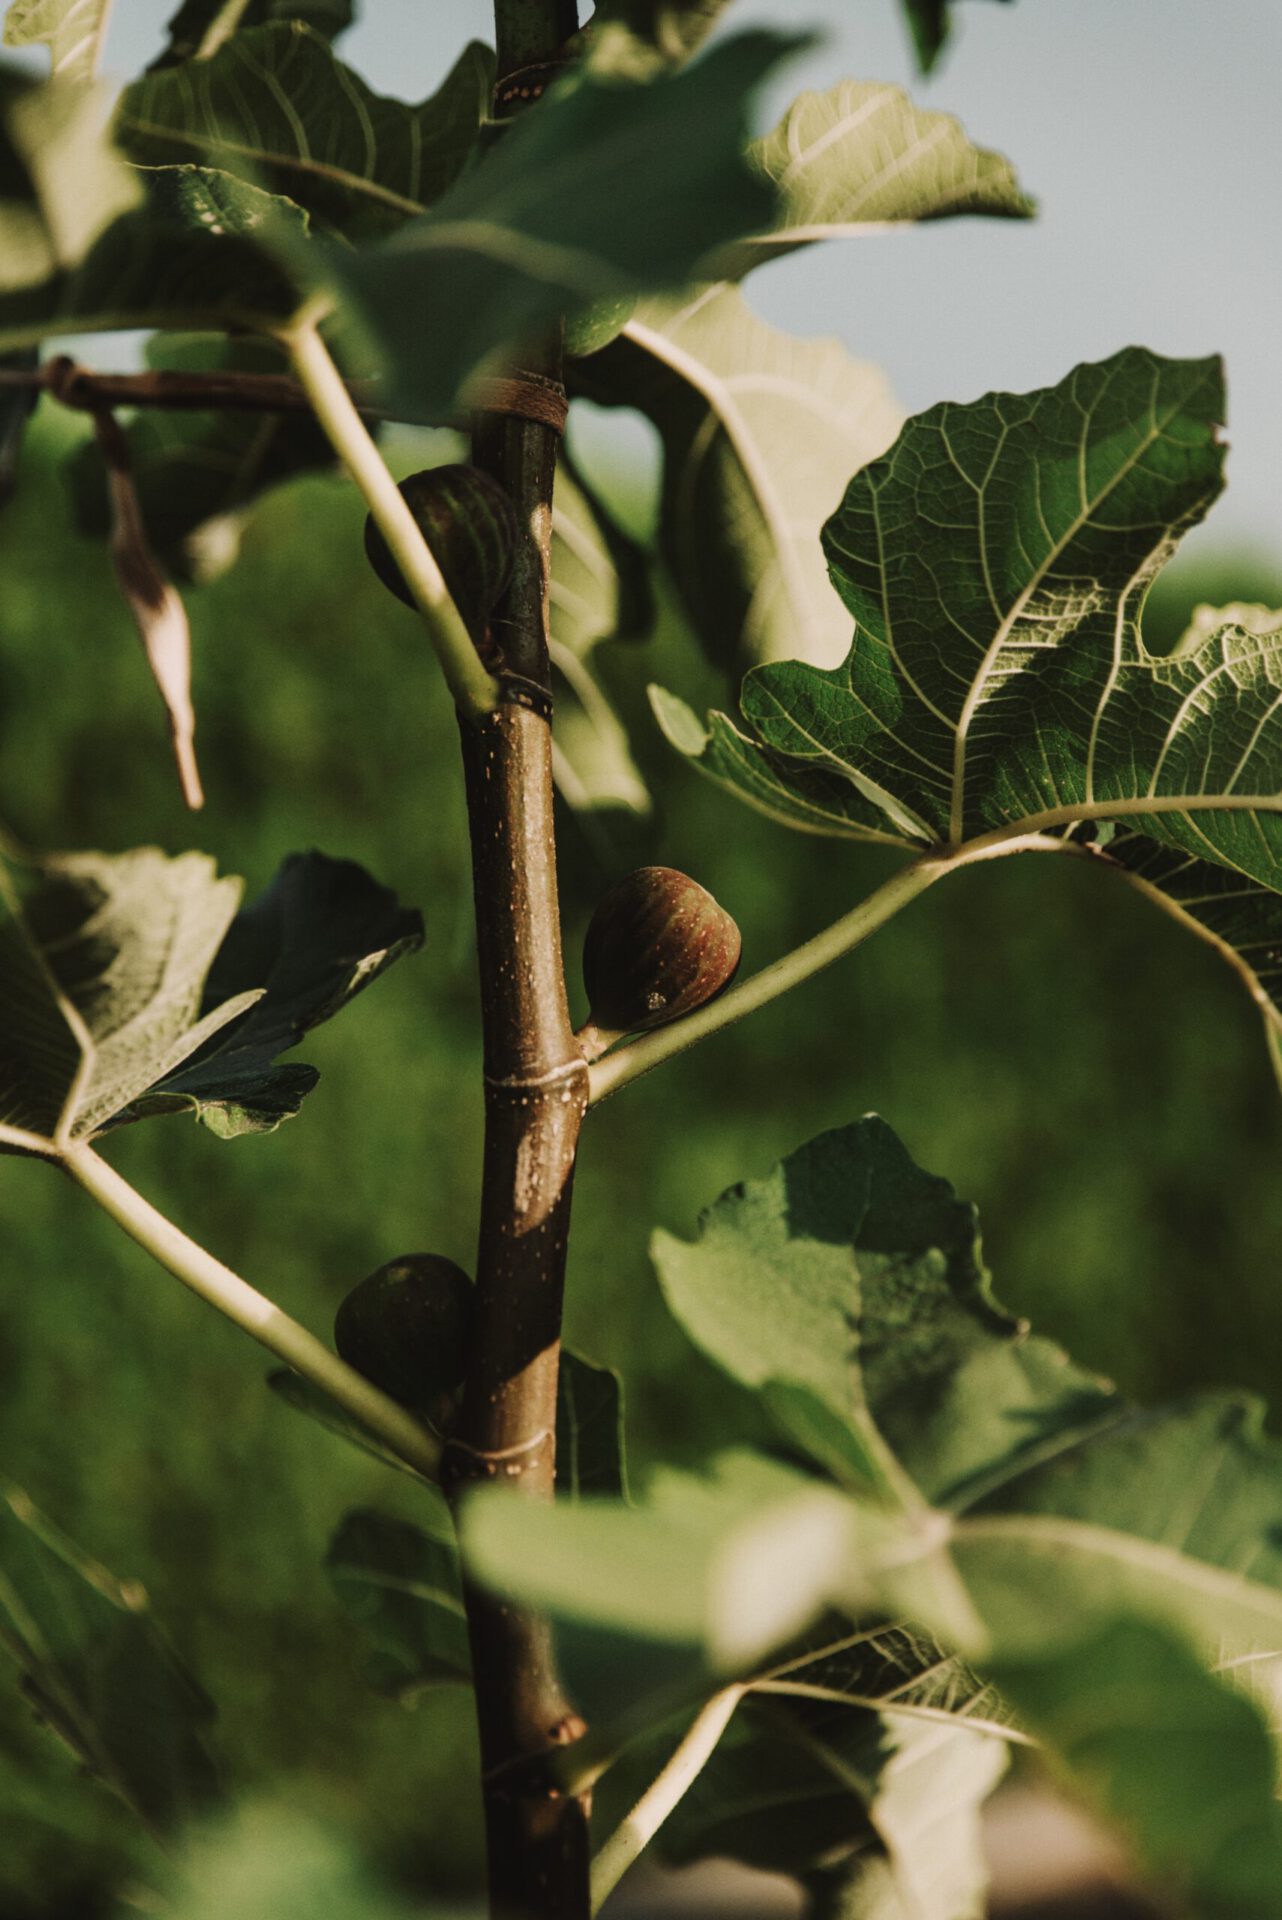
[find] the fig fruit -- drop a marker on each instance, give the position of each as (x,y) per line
(658,946)
(592,328)
(406,1327)
(470,525)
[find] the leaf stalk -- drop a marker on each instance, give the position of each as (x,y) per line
(648,1050)
(258,1316)
(670,1785)
(475,690)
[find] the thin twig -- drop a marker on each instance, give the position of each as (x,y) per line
(80,387)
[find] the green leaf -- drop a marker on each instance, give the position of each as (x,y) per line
(98,1673)
(703,1579)
(274,106)
(861,156)
(1181,1764)
(60,184)
(850,1278)
(670,29)
(930,25)
(805,1781)
(88,244)
(589,1431)
(200,26)
(1017,696)
(761,432)
(600,592)
(195,473)
(402,1587)
(605,189)
(129,986)
(1020,700)
(925,1812)
(1176,1513)
(774,1802)
(686,1583)
(73,31)
(320,934)
(202,250)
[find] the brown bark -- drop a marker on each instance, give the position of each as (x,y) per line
(536,1096)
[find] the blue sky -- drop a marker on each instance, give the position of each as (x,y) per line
(1149,130)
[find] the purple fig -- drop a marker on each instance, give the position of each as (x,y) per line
(470,525)
(406,1328)
(658,946)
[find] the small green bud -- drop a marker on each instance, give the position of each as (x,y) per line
(658,946)
(587,331)
(406,1328)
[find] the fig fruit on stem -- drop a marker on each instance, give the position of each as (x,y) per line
(470,525)
(658,946)
(406,1328)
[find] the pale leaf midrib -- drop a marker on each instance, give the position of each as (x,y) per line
(993,651)
(1124,1549)
(887,1703)
(216,144)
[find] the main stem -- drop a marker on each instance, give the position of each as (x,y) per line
(535,1099)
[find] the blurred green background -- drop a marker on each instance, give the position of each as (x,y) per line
(1088,1074)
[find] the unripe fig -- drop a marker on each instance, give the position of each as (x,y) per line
(587,331)
(657,946)
(406,1327)
(470,525)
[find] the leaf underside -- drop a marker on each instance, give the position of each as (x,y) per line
(996,562)
(131,986)
(760,432)
(861,156)
(274,106)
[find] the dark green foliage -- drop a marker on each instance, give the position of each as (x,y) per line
(401,1586)
(659,180)
(195,18)
(590,1444)
(930,24)
(98,1674)
(320,934)
(88,240)
(273,106)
